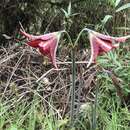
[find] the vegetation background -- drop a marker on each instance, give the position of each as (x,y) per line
(29,102)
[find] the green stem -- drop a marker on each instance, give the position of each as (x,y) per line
(74,76)
(69,38)
(85,29)
(94,111)
(73,86)
(76,42)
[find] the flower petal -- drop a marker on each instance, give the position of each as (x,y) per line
(121,39)
(47,44)
(53,50)
(105,45)
(102,36)
(41,37)
(99,46)
(94,49)
(49,48)
(45,36)
(34,43)
(25,34)
(101,43)
(110,38)
(44,47)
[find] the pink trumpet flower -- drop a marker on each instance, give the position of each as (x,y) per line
(101,43)
(47,44)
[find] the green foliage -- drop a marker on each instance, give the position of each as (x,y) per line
(126,6)
(114,3)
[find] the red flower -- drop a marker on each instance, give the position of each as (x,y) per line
(101,43)
(47,44)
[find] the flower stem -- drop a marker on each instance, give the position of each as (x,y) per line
(74,77)
(73,86)
(84,29)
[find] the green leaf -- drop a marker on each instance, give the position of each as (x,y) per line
(69,8)
(65,13)
(127,90)
(117,2)
(106,18)
(123,7)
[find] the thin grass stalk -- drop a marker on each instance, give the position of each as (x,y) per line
(79,93)
(94,110)
(73,86)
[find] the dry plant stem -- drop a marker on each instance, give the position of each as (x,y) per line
(21,26)
(44,75)
(69,62)
(67,102)
(52,107)
(14,69)
(8,58)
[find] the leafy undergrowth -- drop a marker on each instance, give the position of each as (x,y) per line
(33,96)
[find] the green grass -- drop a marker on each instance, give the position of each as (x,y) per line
(25,116)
